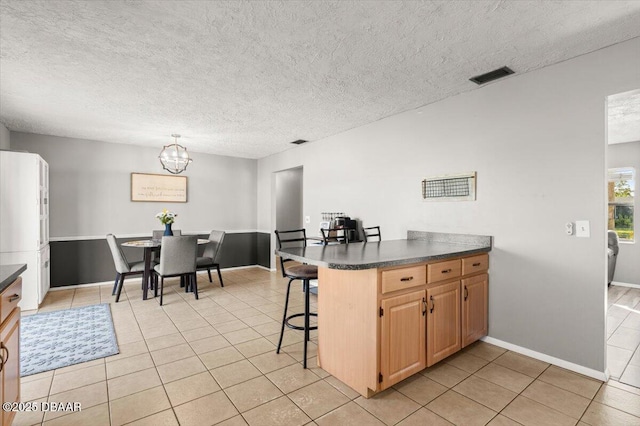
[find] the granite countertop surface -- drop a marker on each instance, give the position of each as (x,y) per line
(8,274)
(381,254)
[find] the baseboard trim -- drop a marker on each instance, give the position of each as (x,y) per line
(625,284)
(139,279)
(599,375)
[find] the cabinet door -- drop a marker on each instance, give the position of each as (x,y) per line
(402,349)
(9,335)
(474,308)
(443,321)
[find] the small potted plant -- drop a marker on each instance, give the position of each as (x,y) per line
(167,218)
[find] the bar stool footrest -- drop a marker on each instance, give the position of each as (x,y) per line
(297,327)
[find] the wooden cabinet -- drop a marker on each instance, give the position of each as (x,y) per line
(475,296)
(443,321)
(376,327)
(402,337)
(9,347)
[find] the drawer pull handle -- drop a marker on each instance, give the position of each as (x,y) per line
(433,305)
(5,359)
(14,298)
(476,264)
(406,279)
(446,271)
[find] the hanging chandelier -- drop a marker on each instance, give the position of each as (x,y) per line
(174,158)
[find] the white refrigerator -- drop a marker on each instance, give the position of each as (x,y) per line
(24,221)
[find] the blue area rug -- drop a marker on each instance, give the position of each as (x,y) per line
(57,339)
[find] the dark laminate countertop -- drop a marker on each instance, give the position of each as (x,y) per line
(379,254)
(8,274)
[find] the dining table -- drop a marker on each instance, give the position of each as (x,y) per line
(150,246)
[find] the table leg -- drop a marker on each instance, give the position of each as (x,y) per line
(147,272)
(306,321)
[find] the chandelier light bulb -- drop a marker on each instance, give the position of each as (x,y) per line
(174,158)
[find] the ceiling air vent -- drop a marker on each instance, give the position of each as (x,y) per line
(299,142)
(492,75)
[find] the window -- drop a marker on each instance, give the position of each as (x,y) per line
(621,196)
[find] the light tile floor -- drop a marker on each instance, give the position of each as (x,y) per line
(213,361)
(623,334)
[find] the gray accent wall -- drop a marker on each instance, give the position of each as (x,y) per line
(5,137)
(263,249)
(628,263)
(90,261)
(537,143)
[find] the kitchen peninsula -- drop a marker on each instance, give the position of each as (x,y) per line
(387,310)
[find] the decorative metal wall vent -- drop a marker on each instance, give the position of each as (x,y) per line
(459,187)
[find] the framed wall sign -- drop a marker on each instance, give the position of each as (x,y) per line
(158,188)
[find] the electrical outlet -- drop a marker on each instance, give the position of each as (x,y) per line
(307,219)
(568,228)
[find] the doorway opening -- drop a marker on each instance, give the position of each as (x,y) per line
(288,199)
(623,251)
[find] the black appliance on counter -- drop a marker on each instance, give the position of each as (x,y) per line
(350,227)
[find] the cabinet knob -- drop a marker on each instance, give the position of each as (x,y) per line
(433,304)
(446,271)
(14,298)
(476,264)
(406,279)
(466,293)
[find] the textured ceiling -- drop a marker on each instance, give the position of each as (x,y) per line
(246,78)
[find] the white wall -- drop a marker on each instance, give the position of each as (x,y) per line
(537,143)
(628,263)
(90,188)
(5,137)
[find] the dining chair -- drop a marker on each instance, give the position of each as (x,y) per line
(371,232)
(335,235)
(178,259)
(211,253)
(304,273)
(158,234)
(123,267)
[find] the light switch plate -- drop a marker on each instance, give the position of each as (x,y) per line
(582,229)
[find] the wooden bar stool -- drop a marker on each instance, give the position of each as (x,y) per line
(304,273)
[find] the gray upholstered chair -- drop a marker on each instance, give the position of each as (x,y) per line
(371,232)
(178,259)
(123,267)
(209,258)
(612,251)
(158,234)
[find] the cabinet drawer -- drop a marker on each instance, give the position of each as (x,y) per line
(398,279)
(475,264)
(443,270)
(10,298)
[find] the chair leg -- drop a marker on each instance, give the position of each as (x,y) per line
(120,284)
(284,316)
(306,321)
(161,289)
(155,288)
(209,272)
(219,275)
(194,284)
(115,284)
(182,284)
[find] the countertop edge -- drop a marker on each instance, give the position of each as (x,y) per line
(389,263)
(9,273)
